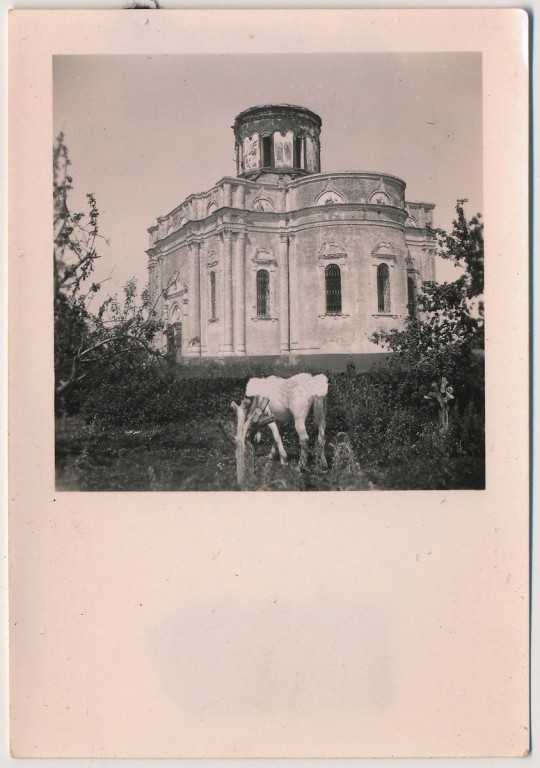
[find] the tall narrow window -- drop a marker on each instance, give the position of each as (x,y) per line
(213,315)
(267,151)
(299,152)
(263,293)
(332,279)
(411,297)
(383,288)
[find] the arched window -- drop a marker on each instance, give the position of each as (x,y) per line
(383,288)
(213,314)
(332,281)
(263,293)
(411,296)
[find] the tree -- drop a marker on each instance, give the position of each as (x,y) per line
(441,336)
(86,340)
(465,247)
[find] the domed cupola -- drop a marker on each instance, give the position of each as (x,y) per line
(277,139)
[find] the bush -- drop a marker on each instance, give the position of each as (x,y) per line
(394,431)
(149,393)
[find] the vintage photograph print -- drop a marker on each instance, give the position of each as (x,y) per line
(268,272)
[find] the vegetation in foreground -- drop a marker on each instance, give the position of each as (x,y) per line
(178,434)
(128,420)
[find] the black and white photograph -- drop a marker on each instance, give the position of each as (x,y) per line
(268,272)
(246,253)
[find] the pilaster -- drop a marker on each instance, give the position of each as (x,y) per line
(284,320)
(239,295)
(227,328)
(194,342)
(203,309)
(293,295)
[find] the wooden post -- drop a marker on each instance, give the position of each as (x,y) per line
(244,420)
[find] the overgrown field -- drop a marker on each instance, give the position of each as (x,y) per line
(179,436)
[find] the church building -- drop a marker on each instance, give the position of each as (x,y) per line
(285,261)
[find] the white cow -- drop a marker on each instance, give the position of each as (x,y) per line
(274,399)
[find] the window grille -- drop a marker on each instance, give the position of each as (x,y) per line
(383,288)
(263,293)
(411,296)
(213,315)
(332,275)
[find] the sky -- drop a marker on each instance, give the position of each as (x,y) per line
(144,132)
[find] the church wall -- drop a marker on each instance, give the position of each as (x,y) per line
(351,188)
(274,195)
(262,334)
(355,236)
(212,327)
(422,213)
(351,330)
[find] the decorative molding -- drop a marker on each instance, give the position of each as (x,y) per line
(332,250)
(177,286)
(264,257)
(384,251)
(212,260)
(410,263)
(330,195)
(410,221)
(263,205)
(174,314)
(379,198)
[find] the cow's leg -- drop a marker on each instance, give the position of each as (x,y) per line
(319,416)
(273,451)
(300,426)
(278,443)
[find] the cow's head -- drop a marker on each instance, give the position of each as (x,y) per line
(251,414)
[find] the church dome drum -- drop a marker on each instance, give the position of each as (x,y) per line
(277,139)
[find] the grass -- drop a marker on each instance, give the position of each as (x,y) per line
(197,456)
(163,434)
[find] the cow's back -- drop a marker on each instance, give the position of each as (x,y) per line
(291,397)
(276,390)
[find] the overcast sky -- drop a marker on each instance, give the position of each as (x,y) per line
(144,132)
